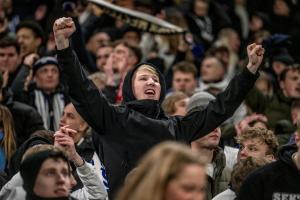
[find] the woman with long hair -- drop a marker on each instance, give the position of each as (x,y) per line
(7,137)
(168,171)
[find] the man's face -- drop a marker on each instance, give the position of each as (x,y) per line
(200,8)
(121,54)
(184,82)
(146,85)
(28,42)
(281,8)
(211,70)
(102,56)
(291,85)
(47,77)
(210,141)
(53,180)
(74,121)
(9,59)
(255,148)
(278,67)
(132,37)
(97,41)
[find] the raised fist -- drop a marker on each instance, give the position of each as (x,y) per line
(255,55)
(63,28)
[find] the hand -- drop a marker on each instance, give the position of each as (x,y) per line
(5,77)
(63,139)
(122,64)
(30,59)
(108,70)
(243,125)
(63,28)
(255,55)
(28,81)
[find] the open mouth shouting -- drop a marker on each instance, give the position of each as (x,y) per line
(150,92)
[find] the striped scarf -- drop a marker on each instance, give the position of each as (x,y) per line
(42,105)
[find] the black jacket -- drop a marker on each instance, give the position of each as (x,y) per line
(276,181)
(128,131)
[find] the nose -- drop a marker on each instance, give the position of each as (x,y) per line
(20,40)
(61,178)
(243,153)
(150,81)
(62,119)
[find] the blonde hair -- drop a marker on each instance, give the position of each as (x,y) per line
(265,135)
(158,167)
(149,68)
(8,143)
(168,104)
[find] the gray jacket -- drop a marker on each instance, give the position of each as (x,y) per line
(93,188)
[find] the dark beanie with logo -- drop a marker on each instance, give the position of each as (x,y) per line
(47,60)
(31,165)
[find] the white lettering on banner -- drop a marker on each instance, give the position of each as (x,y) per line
(285,196)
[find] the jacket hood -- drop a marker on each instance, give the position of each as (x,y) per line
(286,152)
(127,90)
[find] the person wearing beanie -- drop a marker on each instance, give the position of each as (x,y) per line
(44,92)
(91,186)
(46,174)
(128,130)
(218,174)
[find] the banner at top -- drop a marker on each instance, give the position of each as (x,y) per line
(139,20)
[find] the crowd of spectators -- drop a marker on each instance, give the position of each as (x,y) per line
(76,119)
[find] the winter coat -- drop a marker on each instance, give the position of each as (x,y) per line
(220,178)
(129,130)
(276,181)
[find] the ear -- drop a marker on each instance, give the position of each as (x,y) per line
(270,158)
(83,127)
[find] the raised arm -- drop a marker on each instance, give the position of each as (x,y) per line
(85,96)
(200,123)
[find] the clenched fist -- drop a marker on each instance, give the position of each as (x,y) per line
(63,28)
(255,55)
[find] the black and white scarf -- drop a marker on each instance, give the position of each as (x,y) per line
(42,105)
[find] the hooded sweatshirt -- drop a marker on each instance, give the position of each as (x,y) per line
(277,181)
(128,131)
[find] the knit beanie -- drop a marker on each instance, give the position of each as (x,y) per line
(47,60)
(30,167)
(199,101)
